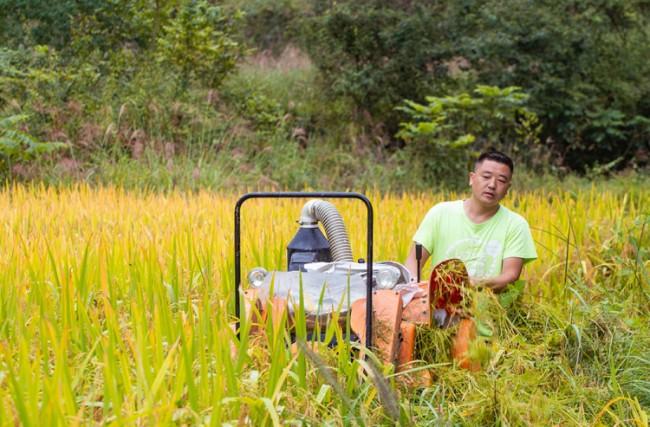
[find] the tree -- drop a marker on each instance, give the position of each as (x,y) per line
(583,63)
(375,52)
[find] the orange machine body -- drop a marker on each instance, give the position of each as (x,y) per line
(394,325)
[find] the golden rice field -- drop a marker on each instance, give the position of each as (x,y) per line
(115,308)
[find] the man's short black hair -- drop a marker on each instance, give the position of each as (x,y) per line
(496,156)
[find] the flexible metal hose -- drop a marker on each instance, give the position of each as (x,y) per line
(325,212)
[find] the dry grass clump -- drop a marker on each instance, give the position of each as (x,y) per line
(116,308)
(433,345)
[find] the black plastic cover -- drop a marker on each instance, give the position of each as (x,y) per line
(308,245)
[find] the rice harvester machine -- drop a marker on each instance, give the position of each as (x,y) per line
(383,302)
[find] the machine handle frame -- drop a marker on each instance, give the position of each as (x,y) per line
(306,195)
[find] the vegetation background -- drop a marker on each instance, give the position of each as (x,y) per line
(315,94)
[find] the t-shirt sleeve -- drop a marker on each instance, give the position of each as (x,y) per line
(428,229)
(519,242)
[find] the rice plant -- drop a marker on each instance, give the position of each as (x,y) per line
(116,307)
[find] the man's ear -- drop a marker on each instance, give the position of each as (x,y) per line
(471,178)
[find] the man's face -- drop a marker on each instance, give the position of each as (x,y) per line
(490,182)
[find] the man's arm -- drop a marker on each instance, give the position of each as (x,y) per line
(411,262)
(509,273)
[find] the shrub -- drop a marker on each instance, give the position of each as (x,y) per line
(196,45)
(270,25)
(16,145)
(443,131)
(374,52)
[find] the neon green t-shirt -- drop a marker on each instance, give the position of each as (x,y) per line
(446,232)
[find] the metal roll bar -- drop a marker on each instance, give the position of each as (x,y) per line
(305,195)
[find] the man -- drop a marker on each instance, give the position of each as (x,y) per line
(492,241)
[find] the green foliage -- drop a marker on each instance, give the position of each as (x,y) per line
(491,117)
(124,79)
(584,64)
(16,145)
(38,76)
(274,100)
(196,45)
(114,75)
(180,40)
(265,113)
(24,22)
(375,52)
(447,130)
(270,25)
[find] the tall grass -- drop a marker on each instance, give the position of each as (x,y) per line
(115,308)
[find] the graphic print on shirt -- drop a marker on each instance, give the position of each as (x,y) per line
(480,259)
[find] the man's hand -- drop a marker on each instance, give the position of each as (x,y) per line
(509,273)
(477,283)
